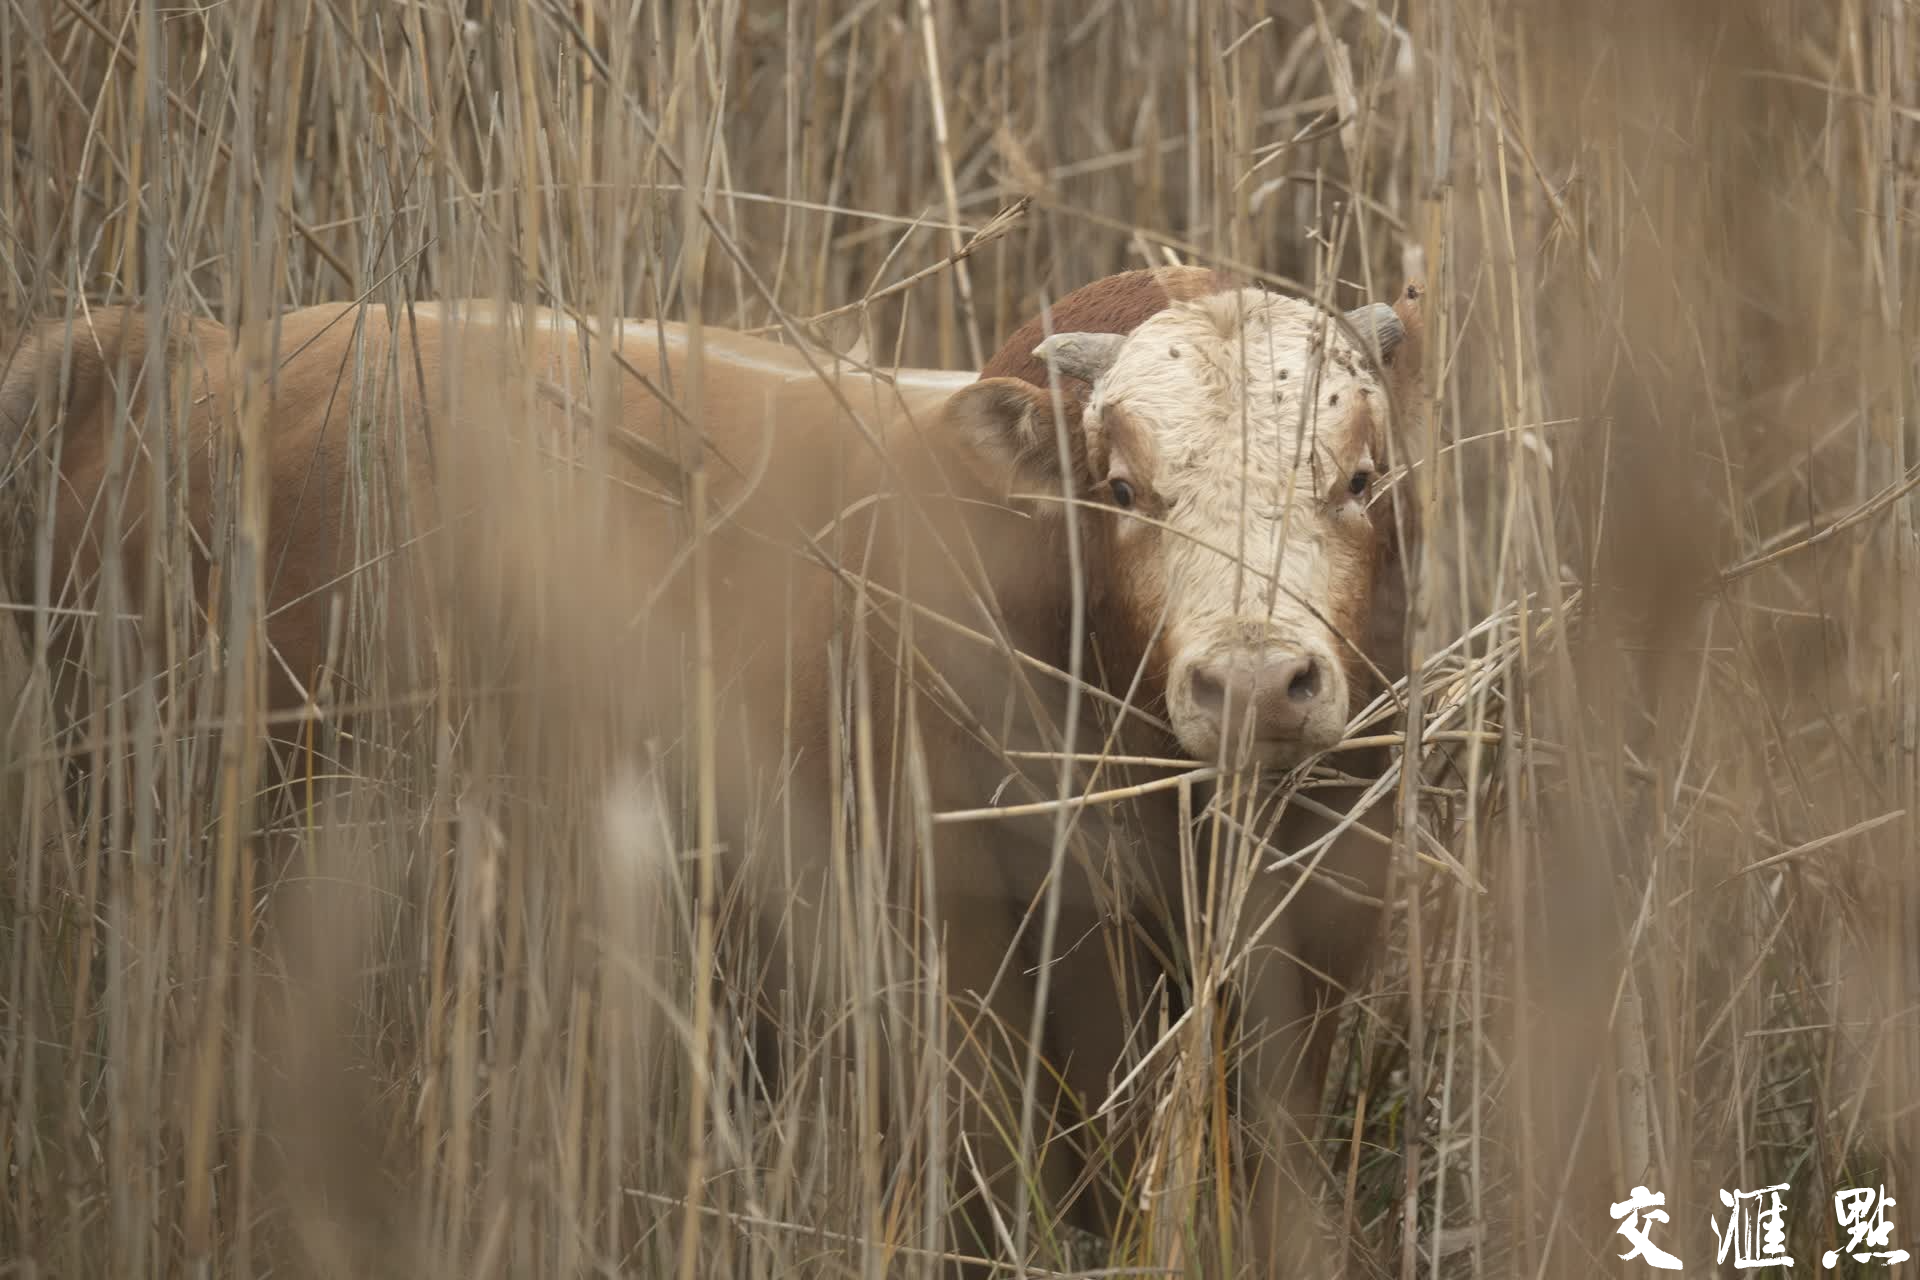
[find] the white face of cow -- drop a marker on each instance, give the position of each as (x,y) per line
(1237,441)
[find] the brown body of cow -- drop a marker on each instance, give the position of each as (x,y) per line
(849,498)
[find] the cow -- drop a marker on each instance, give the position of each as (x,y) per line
(1157,524)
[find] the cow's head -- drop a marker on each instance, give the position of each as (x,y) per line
(1233,445)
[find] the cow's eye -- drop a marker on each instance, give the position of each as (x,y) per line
(1358,485)
(1122,493)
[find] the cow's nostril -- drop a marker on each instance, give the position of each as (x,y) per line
(1304,686)
(1209,692)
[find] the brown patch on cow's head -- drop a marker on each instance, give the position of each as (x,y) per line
(1226,447)
(1116,304)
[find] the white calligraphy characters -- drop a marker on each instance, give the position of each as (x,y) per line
(1755,1234)
(1863,1215)
(1647,1202)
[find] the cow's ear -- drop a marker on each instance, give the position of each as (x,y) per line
(1008,426)
(1396,513)
(1408,356)
(1396,516)
(1005,430)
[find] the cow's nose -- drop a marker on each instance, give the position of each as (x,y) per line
(1274,694)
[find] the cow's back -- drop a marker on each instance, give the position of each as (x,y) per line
(387,432)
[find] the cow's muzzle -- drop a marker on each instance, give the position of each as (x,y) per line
(1274,705)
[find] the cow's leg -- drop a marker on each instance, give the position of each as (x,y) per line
(987,1048)
(1277,1101)
(1289,997)
(1101,978)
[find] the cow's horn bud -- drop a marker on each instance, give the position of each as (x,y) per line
(1376,323)
(1081,355)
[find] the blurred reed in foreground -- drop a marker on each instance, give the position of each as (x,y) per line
(441,1012)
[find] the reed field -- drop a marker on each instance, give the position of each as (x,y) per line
(448,980)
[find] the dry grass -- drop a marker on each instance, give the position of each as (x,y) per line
(440,1021)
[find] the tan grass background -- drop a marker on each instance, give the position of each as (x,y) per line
(1669,609)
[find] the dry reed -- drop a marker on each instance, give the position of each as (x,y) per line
(1653,920)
